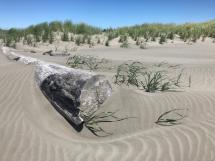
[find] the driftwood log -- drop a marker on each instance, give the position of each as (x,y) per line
(47,52)
(51,53)
(72,92)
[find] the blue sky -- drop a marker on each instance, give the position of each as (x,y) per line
(101,13)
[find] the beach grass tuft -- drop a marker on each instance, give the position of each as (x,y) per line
(93,121)
(172,117)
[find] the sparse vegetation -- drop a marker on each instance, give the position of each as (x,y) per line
(186,31)
(153,38)
(143,45)
(128,73)
(172,117)
(78,40)
(89,40)
(150,79)
(171,36)
(92,121)
(138,42)
(107,43)
(85,62)
(124,44)
(160,80)
(65,37)
(123,38)
(72,38)
(41,32)
(155,81)
(98,41)
(162,39)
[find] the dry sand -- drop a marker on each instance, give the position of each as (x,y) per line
(31,129)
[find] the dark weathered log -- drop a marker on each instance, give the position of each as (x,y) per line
(72,92)
(47,52)
(59,54)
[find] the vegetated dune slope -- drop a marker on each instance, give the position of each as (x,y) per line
(31,129)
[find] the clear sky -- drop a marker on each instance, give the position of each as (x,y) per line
(104,13)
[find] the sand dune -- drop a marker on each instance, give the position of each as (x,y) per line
(31,129)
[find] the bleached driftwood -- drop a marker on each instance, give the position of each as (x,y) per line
(71,91)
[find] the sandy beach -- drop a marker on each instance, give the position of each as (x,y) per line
(32,130)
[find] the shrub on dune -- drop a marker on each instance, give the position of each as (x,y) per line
(171,36)
(123,38)
(98,41)
(78,40)
(65,37)
(107,43)
(143,45)
(138,42)
(153,38)
(162,39)
(124,44)
(51,37)
(89,40)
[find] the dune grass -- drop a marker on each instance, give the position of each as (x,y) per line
(160,81)
(154,81)
(107,43)
(92,122)
(42,32)
(128,73)
(143,45)
(188,31)
(151,79)
(85,62)
(171,117)
(124,44)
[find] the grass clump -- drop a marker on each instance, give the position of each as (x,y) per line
(171,117)
(107,43)
(65,37)
(159,77)
(78,40)
(153,82)
(123,38)
(84,62)
(124,44)
(93,120)
(162,39)
(98,41)
(51,37)
(143,45)
(138,42)
(171,36)
(128,73)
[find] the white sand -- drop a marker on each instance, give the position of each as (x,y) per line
(31,129)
